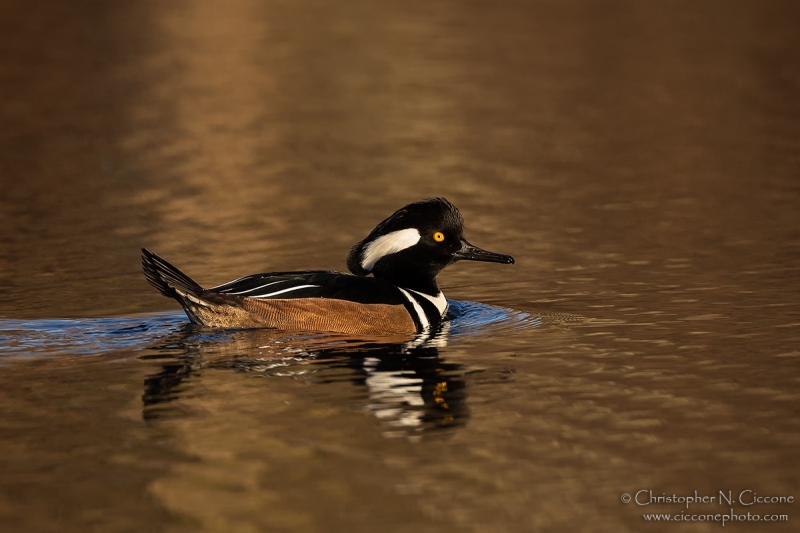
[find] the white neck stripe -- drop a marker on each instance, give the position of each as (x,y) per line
(439,300)
(423,318)
(388,244)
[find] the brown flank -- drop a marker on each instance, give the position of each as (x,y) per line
(297,314)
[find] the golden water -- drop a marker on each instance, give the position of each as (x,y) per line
(639,160)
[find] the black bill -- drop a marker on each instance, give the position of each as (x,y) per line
(473,253)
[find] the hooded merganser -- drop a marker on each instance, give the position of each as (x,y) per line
(404,253)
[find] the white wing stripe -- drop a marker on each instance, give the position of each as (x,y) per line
(259,287)
(283,291)
(423,319)
(227,283)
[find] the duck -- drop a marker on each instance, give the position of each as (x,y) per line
(391,288)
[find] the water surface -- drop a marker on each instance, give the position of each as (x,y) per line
(640,162)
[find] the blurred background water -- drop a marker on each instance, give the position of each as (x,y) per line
(639,160)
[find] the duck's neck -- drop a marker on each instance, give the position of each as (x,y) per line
(422,284)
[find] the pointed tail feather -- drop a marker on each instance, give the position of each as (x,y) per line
(166,278)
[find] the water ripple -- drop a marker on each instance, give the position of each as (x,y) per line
(92,336)
(473,318)
(87,336)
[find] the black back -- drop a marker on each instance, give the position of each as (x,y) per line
(314,284)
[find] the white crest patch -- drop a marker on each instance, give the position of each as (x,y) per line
(388,244)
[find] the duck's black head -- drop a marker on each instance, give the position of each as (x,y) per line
(413,245)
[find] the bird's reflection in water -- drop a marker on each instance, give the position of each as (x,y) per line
(411,391)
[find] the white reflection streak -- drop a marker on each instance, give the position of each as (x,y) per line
(392,390)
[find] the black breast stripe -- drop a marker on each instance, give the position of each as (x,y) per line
(416,304)
(431,312)
(414,315)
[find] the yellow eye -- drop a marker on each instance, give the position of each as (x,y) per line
(438,236)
